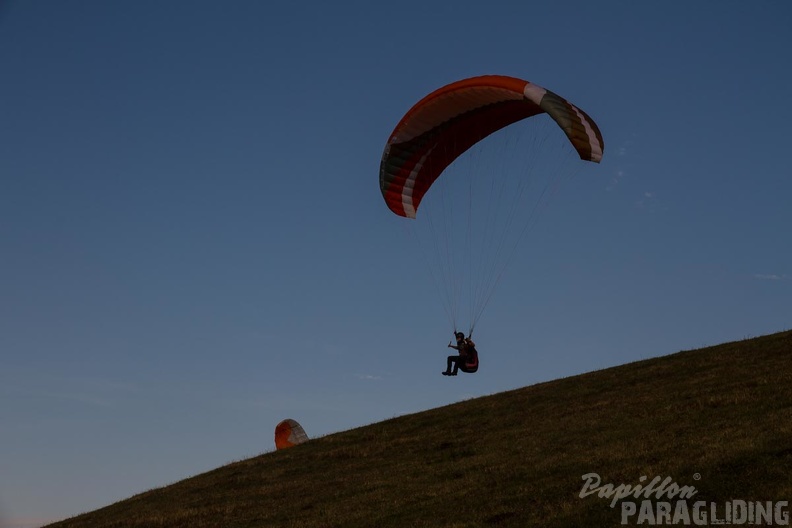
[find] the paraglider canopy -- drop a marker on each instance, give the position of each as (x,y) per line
(289,433)
(450,120)
(482,158)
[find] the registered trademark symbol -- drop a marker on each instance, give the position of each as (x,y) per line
(696,476)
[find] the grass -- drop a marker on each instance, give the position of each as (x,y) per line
(722,414)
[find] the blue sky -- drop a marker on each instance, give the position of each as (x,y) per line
(193,245)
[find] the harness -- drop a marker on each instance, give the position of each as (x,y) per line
(471,360)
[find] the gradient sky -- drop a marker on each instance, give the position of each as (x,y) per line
(193,244)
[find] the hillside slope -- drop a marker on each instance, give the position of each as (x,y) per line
(718,419)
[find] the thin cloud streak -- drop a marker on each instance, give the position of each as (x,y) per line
(769,276)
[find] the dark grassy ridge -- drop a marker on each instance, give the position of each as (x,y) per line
(515,458)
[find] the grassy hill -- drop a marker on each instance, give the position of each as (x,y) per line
(718,419)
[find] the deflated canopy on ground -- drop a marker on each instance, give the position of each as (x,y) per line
(289,433)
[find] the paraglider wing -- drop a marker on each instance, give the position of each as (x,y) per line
(289,433)
(450,120)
